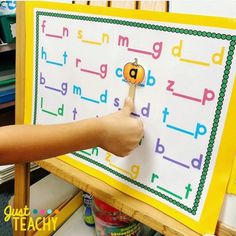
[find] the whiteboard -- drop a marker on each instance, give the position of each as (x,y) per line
(75,68)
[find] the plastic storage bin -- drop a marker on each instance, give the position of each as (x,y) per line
(7,7)
(111,222)
(8,28)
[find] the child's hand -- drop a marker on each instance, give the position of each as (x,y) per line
(122,132)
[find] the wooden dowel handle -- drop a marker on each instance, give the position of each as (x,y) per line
(132,88)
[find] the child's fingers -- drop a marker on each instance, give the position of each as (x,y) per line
(128,105)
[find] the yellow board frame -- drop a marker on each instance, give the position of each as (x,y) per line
(232,181)
(221,175)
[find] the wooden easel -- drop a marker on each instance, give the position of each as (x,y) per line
(130,206)
(22,171)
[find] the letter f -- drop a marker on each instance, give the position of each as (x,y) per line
(43,25)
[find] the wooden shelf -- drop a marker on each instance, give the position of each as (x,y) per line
(7,47)
(140,211)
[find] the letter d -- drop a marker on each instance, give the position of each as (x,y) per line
(103,97)
(145,110)
(177,50)
(61,110)
(197,162)
(217,58)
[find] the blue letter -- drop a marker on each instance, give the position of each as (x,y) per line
(119,72)
(165,113)
(150,79)
(200,130)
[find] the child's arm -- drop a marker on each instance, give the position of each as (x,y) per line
(117,133)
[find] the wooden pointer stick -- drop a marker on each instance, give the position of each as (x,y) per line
(132,89)
(134,74)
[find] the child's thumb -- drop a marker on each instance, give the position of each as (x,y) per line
(128,105)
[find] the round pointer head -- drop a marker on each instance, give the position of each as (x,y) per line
(133,72)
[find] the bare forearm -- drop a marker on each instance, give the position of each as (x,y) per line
(24,143)
(117,133)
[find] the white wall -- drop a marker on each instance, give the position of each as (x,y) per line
(222,8)
(228,213)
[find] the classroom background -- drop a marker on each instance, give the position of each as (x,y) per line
(52,190)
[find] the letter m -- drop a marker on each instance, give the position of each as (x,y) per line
(123,41)
(76,90)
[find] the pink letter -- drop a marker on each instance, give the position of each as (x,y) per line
(208,95)
(103,69)
(157,48)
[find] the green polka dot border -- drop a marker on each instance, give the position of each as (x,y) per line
(197,33)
